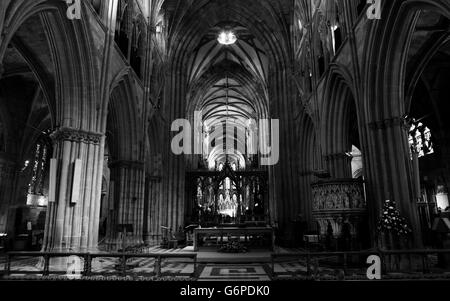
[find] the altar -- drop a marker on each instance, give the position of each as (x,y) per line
(251,237)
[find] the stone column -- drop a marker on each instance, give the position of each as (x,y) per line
(128,207)
(7,179)
(172,213)
(389,172)
(154,233)
(339,165)
(72,224)
(284,190)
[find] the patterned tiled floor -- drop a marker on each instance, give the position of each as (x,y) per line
(105,265)
(178,268)
(227,272)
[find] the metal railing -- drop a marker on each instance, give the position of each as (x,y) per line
(122,269)
(395,264)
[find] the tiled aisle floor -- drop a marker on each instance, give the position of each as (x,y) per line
(227,272)
(208,271)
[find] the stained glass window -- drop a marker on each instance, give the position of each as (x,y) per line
(420,140)
(38,185)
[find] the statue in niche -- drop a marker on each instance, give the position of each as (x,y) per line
(321,199)
(210,193)
(247,194)
(316,203)
(335,201)
(339,200)
(346,200)
(329,202)
(357,198)
(199,194)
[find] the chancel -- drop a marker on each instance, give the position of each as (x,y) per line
(213,140)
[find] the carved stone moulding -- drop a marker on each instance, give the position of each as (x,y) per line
(388,123)
(74,135)
(138,165)
(338,219)
(339,203)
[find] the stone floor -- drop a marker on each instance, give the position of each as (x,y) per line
(212,266)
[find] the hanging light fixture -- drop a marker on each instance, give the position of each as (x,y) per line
(227,37)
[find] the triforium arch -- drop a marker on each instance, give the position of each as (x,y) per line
(339,119)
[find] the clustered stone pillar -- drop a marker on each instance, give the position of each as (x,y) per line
(128,207)
(72,224)
(389,172)
(339,165)
(284,190)
(153,231)
(172,194)
(7,178)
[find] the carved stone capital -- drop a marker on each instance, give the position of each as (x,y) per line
(139,165)
(74,135)
(388,123)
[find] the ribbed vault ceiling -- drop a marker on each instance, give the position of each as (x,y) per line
(247,52)
(239,92)
(228,83)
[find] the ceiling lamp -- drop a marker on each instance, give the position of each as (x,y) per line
(227,38)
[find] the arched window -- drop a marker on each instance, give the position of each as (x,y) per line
(420,139)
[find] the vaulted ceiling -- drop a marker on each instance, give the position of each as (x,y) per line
(238,92)
(227,83)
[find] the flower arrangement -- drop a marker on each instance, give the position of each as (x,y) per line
(233,247)
(391,221)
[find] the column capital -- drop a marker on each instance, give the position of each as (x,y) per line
(388,123)
(127,164)
(337,156)
(75,135)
